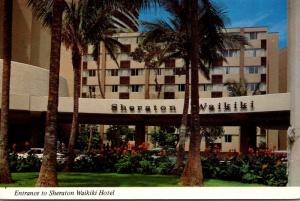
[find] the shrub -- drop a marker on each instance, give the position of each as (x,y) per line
(146,167)
(29,164)
(128,164)
(263,167)
(90,163)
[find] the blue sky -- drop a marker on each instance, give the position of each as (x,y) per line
(245,13)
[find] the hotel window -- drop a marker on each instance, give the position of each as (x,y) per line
(123,56)
(232,70)
(262,87)
(157,71)
(84,89)
(205,87)
(250,53)
(92,88)
(136,88)
(251,69)
(181,87)
(252,86)
(113,72)
(85,73)
(217,70)
(179,71)
(123,72)
(260,52)
(114,88)
(136,72)
(169,88)
(261,35)
(228,138)
(231,53)
(92,73)
(169,71)
(217,87)
(253,35)
(158,87)
(123,89)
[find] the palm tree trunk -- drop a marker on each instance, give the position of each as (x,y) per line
(98,73)
(184,121)
(157,85)
(147,76)
(192,174)
(48,174)
(90,139)
(102,93)
(5,176)
(76,61)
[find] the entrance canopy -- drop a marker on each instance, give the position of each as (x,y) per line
(268,111)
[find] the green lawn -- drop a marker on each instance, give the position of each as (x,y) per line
(114,180)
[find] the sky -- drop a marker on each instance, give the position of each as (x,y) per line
(244,13)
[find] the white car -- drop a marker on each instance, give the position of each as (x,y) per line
(38,152)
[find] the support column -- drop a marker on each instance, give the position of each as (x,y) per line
(139,134)
(294,88)
(247,137)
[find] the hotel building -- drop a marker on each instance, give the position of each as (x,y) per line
(259,63)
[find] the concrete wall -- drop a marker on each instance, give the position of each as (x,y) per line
(30,42)
(283,70)
(31,80)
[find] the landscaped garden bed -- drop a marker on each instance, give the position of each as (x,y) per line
(262,167)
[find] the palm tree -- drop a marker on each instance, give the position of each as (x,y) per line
(81,28)
(236,88)
(5,176)
(240,88)
(48,174)
(176,33)
(153,55)
(85,22)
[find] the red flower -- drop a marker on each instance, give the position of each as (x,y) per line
(118,150)
(250,151)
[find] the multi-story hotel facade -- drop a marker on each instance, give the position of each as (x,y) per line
(259,63)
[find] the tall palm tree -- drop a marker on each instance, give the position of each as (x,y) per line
(81,28)
(192,173)
(84,22)
(176,33)
(48,174)
(5,176)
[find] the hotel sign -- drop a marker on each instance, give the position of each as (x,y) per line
(149,109)
(240,106)
(221,107)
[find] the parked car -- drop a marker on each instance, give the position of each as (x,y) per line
(82,156)
(38,152)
